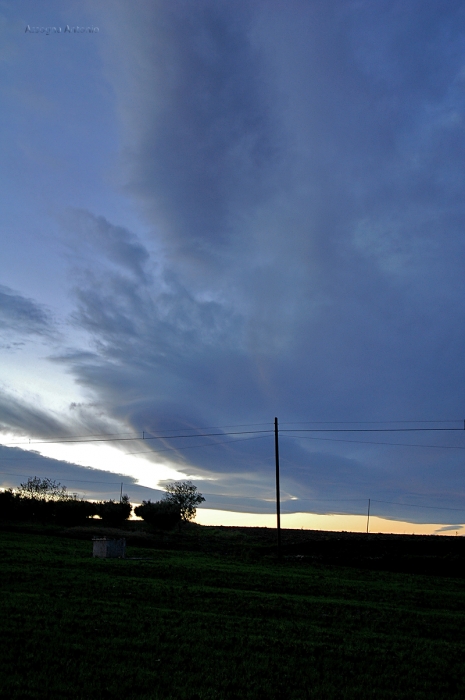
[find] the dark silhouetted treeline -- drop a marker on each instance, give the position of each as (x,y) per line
(67,512)
(162,515)
(47,501)
(72,511)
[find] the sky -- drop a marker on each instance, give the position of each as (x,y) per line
(218,213)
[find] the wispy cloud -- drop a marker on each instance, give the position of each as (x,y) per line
(22,417)
(117,243)
(449,528)
(20,315)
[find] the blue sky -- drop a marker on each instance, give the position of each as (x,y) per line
(215,213)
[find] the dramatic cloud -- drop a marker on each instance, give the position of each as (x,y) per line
(200,136)
(290,178)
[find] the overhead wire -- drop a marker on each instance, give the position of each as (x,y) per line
(417,505)
(369,422)
(147,435)
(371,442)
(368,430)
(129,439)
(148,452)
(188,447)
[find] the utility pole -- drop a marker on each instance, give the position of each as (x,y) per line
(278,499)
(368,516)
(121,493)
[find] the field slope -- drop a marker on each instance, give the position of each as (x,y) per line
(177,625)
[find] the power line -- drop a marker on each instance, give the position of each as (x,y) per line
(188,447)
(264,433)
(368,430)
(144,452)
(146,435)
(83,440)
(371,442)
(416,505)
(219,427)
(368,422)
(61,441)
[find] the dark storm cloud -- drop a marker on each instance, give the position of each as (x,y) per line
(202,138)
(24,316)
(367,153)
(303,166)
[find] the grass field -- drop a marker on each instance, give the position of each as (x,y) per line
(180,625)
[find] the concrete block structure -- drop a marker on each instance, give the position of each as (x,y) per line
(109,549)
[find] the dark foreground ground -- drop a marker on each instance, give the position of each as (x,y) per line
(427,554)
(210,613)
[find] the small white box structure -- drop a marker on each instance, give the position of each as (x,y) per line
(109,549)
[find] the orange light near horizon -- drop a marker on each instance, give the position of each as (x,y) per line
(313,521)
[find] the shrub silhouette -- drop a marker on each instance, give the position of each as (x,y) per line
(9,505)
(161,514)
(112,513)
(36,501)
(48,501)
(73,512)
(24,509)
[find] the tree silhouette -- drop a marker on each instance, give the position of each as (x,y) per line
(44,490)
(184,495)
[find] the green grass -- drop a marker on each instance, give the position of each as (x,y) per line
(195,625)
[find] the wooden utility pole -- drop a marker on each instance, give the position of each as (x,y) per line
(278,498)
(368,516)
